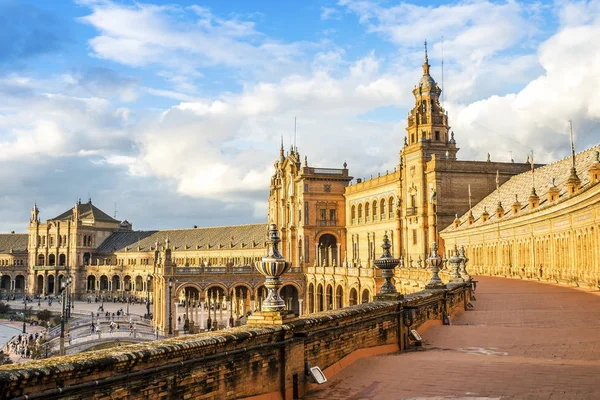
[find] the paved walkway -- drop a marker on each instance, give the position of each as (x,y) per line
(524,340)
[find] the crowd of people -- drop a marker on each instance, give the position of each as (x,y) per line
(24,345)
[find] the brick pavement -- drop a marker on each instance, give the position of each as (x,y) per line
(523,340)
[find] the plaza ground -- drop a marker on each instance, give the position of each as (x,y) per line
(523,340)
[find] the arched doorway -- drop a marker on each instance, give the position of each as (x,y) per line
(50,289)
(61,279)
(353,298)
(127,283)
(328,250)
(187,313)
(320,299)
(365,296)
(139,284)
(289,293)
(329,297)
(91,283)
(116,281)
(5,283)
(241,302)
(339,297)
(40,284)
(86,258)
(311,298)
(216,306)
(104,282)
(261,294)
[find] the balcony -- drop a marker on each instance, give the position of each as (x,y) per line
(327,223)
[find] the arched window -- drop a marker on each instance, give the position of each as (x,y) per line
(375,210)
(391,207)
(367,212)
(353,213)
(359,213)
(382,208)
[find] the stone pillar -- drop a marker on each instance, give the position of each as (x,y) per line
(337,256)
(317,255)
(45,284)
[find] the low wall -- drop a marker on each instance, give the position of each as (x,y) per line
(241,362)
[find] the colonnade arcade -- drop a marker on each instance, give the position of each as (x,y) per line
(193,304)
(328,250)
(323,296)
(48,283)
(560,256)
(119,285)
(12,284)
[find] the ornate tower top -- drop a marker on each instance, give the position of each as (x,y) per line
(428,121)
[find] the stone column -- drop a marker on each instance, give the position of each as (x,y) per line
(317,255)
(337,255)
(300,310)
(45,283)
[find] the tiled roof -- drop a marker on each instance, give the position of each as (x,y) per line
(14,241)
(86,210)
(223,237)
(521,186)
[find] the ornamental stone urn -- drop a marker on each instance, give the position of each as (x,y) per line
(454,266)
(272,266)
(386,263)
(434,261)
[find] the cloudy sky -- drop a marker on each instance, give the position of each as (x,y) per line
(174,109)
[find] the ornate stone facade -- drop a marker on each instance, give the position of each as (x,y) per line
(540,225)
(331,230)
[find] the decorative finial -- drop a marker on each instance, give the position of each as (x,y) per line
(489,157)
(305,161)
(426,58)
(345,164)
(405,141)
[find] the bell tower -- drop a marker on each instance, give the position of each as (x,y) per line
(428,121)
(428,139)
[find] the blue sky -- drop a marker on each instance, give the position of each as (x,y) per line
(174,109)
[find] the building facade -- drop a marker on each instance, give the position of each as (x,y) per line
(331,228)
(411,203)
(541,225)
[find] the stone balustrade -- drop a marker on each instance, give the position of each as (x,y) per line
(237,362)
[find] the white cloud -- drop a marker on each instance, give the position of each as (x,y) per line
(328,13)
(180,38)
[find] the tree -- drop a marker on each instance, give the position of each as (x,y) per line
(4,358)
(44,315)
(4,307)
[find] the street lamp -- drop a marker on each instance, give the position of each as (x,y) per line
(148,297)
(170,307)
(24,305)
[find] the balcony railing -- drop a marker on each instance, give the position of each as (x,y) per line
(327,223)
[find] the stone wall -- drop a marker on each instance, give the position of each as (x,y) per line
(237,363)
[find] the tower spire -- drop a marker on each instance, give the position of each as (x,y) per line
(281,151)
(426,61)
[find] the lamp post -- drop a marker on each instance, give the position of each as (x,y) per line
(148,297)
(24,306)
(170,332)
(62,321)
